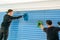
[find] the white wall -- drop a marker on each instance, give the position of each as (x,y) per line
(31,6)
(18,1)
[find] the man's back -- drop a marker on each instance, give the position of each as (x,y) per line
(52,33)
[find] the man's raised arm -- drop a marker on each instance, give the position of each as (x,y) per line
(17,17)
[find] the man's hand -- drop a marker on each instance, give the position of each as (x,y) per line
(40,24)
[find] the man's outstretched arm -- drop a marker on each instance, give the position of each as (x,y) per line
(42,27)
(17,17)
(57,28)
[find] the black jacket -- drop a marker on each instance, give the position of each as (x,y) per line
(8,19)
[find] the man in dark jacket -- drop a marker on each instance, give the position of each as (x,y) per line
(6,23)
(51,31)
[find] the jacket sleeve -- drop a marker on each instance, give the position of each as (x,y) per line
(17,17)
(57,28)
(45,29)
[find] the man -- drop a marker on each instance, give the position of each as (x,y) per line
(6,23)
(51,31)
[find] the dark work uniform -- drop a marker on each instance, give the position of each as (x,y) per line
(52,33)
(5,26)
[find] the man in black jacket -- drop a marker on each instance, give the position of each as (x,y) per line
(51,31)
(6,23)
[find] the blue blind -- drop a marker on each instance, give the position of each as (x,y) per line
(28,30)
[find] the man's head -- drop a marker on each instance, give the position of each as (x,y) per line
(49,22)
(10,12)
(58,23)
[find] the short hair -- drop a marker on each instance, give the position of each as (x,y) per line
(9,10)
(58,23)
(49,22)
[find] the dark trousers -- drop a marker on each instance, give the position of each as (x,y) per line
(3,33)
